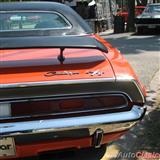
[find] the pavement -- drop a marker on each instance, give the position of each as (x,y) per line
(106,33)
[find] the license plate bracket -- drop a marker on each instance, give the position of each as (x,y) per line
(7,147)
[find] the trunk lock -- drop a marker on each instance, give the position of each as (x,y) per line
(97,138)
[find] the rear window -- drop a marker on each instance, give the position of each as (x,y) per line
(20,21)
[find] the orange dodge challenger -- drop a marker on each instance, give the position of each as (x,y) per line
(61,85)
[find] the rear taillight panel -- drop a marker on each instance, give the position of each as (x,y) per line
(69,105)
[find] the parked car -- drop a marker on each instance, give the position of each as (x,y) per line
(61,85)
(149,19)
(124,13)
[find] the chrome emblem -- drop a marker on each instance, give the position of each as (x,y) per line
(61,73)
(97,72)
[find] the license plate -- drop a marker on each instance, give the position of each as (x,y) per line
(151,26)
(7,147)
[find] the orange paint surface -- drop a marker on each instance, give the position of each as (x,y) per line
(31,65)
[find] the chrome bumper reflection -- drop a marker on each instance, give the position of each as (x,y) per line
(146,25)
(111,122)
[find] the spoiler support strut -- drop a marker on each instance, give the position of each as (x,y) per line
(61,57)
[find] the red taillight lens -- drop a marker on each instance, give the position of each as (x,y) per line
(68,105)
(71,104)
(34,108)
(112,101)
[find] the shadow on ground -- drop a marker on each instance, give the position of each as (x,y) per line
(135,43)
(144,138)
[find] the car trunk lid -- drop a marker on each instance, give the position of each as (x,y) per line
(42,64)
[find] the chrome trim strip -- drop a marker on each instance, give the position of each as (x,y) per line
(146,25)
(111,122)
(46,83)
(142,96)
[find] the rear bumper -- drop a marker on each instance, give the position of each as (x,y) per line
(111,122)
(148,26)
(35,137)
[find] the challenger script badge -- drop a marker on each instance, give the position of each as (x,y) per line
(55,73)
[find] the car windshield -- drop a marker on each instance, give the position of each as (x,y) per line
(26,21)
(153,8)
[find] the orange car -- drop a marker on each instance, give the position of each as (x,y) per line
(61,86)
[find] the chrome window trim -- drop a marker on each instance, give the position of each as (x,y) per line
(70,26)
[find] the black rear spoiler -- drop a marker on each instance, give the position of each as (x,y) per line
(51,42)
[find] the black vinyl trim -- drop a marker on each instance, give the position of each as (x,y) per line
(66,90)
